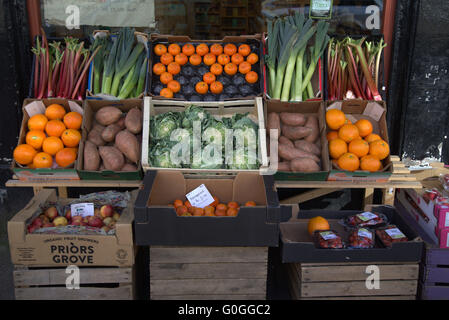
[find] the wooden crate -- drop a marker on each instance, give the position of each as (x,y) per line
(346,281)
(435,274)
(208,273)
(49,283)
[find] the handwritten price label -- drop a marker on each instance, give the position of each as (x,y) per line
(200,197)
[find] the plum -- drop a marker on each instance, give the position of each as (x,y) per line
(188,89)
(209,97)
(179,96)
(245,90)
(202,70)
(157,89)
(238,80)
(230,90)
(223,97)
(196,98)
(187,71)
(225,81)
(181,79)
(195,80)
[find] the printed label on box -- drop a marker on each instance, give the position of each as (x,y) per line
(82,209)
(365,233)
(200,197)
(328,235)
(367,216)
(395,233)
(75,107)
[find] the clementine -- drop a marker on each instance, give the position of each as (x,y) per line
(252,77)
(209,77)
(359,147)
(42,160)
(370,163)
(337,148)
(379,149)
(244,67)
(230,49)
(35,138)
(174,86)
(209,59)
(332,135)
(372,137)
(24,154)
(317,224)
(335,119)
(159,68)
(166,58)
(202,49)
(73,120)
(55,112)
(174,49)
(365,127)
(54,128)
(244,50)
(188,49)
(52,145)
(223,59)
(181,59)
(160,49)
(230,69)
(166,93)
(237,58)
(37,122)
(216,69)
(348,132)
(216,87)
(195,59)
(173,68)
(252,58)
(71,138)
(65,157)
(349,162)
(232,212)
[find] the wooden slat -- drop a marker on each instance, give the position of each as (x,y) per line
(358,288)
(34,277)
(309,195)
(349,184)
(208,286)
(172,271)
(431,292)
(211,297)
(354,273)
(84,293)
(76,183)
(369,196)
(208,254)
(365,298)
(436,275)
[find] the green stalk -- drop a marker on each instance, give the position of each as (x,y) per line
(298,78)
(142,76)
(270,58)
(109,69)
(128,79)
(131,82)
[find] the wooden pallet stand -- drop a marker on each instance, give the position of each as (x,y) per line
(347,281)
(101,283)
(208,273)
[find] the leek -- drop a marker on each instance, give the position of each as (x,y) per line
(132,79)
(142,78)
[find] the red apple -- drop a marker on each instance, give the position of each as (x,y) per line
(95,222)
(37,223)
(106,211)
(32,228)
(68,214)
(77,219)
(48,225)
(51,213)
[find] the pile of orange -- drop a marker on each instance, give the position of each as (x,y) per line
(354,146)
(51,137)
(228,59)
(215,209)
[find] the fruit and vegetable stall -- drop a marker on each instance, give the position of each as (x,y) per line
(157,123)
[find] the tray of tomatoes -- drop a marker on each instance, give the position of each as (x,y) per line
(206,71)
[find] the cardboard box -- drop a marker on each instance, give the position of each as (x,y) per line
(444,238)
(255,40)
(156,222)
(297,245)
(32,107)
(441,212)
(62,250)
(139,37)
(90,108)
(153,107)
(376,113)
(306,108)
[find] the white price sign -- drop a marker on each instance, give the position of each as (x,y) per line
(82,209)
(200,197)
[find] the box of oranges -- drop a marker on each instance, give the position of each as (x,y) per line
(206,70)
(49,139)
(357,135)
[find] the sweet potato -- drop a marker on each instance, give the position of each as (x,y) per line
(292,119)
(129,168)
(274,123)
(108,115)
(312,123)
(133,121)
(121,123)
(304,165)
(94,136)
(284,166)
(286,141)
(289,154)
(308,147)
(112,158)
(110,132)
(295,133)
(91,157)
(127,143)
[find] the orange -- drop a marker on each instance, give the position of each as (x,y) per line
(332,135)
(178,203)
(349,162)
(24,154)
(159,69)
(216,87)
(359,147)
(55,112)
(372,137)
(222,206)
(216,49)
(181,210)
(198,212)
(209,77)
(52,145)
(337,148)
(42,160)
(220,213)
(365,127)
(237,59)
(65,157)
(252,58)
(209,59)
(379,149)
(335,119)
(174,86)
(317,224)
(232,212)
(73,120)
(216,69)
(37,122)
(160,49)
(230,49)
(370,163)
(202,49)
(216,202)
(166,77)
(187,204)
(251,77)
(166,58)
(167,93)
(348,132)
(250,204)
(223,59)
(71,138)
(195,59)
(201,87)
(173,68)
(181,59)
(244,67)
(209,211)
(230,69)
(174,49)
(233,204)
(244,50)
(54,128)
(35,138)
(188,49)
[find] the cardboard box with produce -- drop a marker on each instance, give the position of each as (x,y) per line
(240,210)
(206,70)
(48,140)
(111,143)
(220,137)
(302,145)
(120,68)
(357,135)
(94,230)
